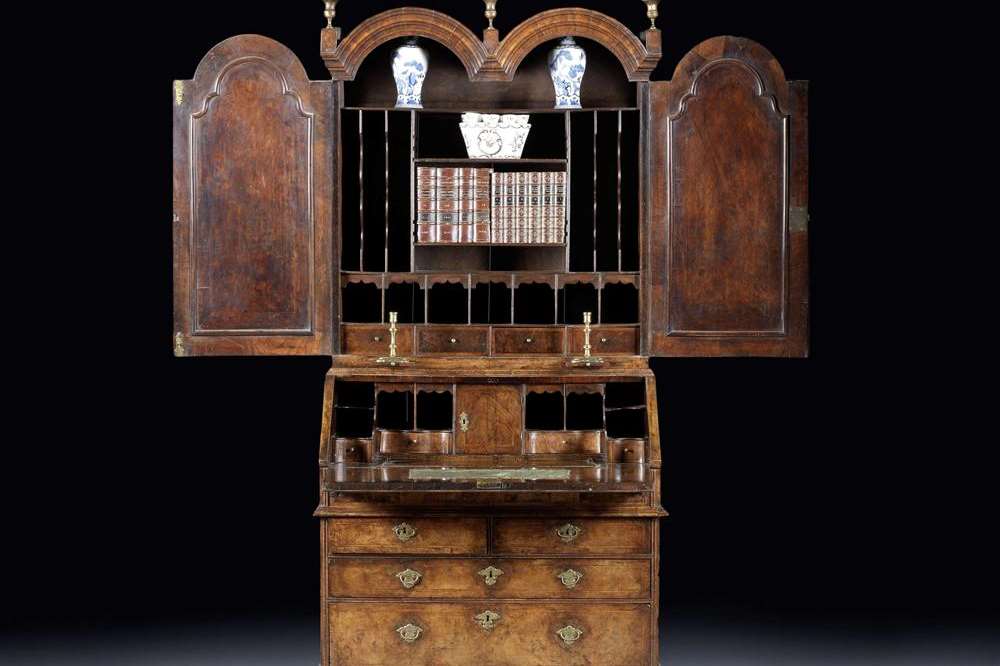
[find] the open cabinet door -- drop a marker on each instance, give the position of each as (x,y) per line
(254,167)
(727,220)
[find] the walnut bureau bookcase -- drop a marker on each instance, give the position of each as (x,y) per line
(489,465)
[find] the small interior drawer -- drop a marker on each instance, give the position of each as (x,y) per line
(560,441)
(351,450)
(630,450)
(528,340)
(606,340)
(400,536)
(396,442)
(374,340)
(469,340)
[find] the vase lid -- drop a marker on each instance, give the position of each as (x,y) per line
(567,41)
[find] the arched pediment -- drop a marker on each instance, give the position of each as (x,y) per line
(490,60)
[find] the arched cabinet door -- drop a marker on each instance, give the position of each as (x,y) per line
(727,216)
(254,168)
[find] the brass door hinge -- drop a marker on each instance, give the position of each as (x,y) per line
(179,344)
(179,92)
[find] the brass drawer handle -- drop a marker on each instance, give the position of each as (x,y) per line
(568,532)
(490,575)
(569,634)
(409,578)
(487,619)
(404,532)
(570,578)
(409,632)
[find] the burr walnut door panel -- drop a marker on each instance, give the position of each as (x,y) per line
(727,268)
(489,420)
(254,205)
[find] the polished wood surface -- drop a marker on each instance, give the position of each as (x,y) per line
(365,634)
(494,420)
(596,537)
(254,145)
(445,578)
(454,536)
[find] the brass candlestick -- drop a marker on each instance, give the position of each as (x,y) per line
(652,11)
(588,360)
(393,359)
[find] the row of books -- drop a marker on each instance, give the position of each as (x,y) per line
(529,207)
(475,205)
(453,205)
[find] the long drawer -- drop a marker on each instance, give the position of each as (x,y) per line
(572,536)
(489,634)
(399,536)
(548,579)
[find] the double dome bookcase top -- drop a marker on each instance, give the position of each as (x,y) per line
(489,272)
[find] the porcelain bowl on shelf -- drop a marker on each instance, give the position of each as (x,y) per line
(494,136)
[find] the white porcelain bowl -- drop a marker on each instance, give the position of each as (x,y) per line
(494,136)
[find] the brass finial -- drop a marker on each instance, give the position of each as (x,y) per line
(330,12)
(491,11)
(651,11)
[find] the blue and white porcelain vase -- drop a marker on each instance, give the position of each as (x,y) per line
(409,68)
(567,65)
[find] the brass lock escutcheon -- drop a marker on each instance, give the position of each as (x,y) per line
(464,422)
(570,578)
(568,532)
(487,619)
(569,634)
(409,578)
(404,532)
(491,575)
(409,632)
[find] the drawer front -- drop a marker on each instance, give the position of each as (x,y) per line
(606,340)
(528,340)
(438,536)
(627,450)
(351,450)
(374,340)
(468,340)
(562,442)
(490,634)
(567,536)
(414,442)
(547,579)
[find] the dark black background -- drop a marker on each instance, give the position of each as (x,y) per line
(175,488)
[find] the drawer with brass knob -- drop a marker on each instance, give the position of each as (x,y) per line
(490,634)
(606,340)
(481,578)
(559,441)
(390,442)
(373,340)
(519,340)
(466,340)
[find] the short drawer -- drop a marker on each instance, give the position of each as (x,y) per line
(528,340)
(351,450)
(438,536)
(530,536)
(631,450)
(468,340)
(374,340)
(545,579)
(537,441)
(490,634)
(606,340)
(393,442)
